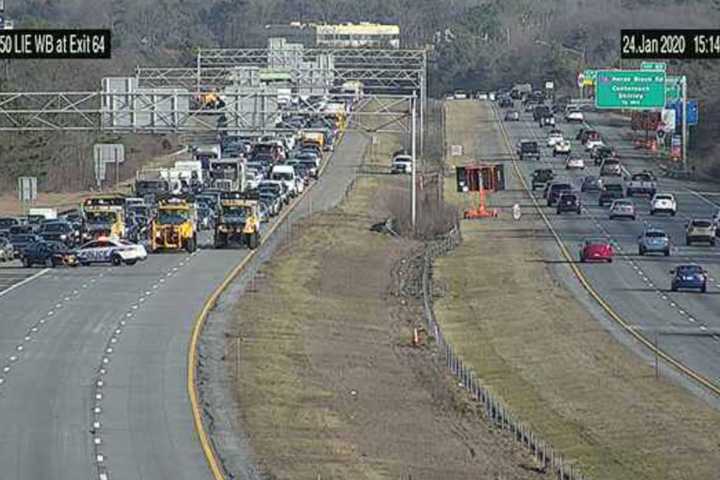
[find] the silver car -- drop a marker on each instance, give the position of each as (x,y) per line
(622,209)
(654,240)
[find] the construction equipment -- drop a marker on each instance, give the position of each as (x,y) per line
(103,216)
(480,178)
(174,227)
(239,219)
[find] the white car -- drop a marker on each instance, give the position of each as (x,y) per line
(575,163)
(554,138)
(562,148)
(590,144)
(574,116)
(663,202)
(105,250)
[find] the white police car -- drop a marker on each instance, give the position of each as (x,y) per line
(114,251)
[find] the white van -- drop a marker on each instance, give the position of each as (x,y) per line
(285,174)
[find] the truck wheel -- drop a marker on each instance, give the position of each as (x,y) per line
(222,240)
(688,242)
(191,244)
(652,212)
(703,289)
(49,263)
(116,260)
(26,262)
(667,253)
(253,241)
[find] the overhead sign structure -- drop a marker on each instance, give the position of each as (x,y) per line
(630,89)
(654,66)
(27,189)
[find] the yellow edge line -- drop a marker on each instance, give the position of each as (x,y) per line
(703,381)
(208,451)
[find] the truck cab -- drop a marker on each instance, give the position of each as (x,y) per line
(104,216)
(174,226)
(239,219)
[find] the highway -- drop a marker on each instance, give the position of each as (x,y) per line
(93,380)
(686,325)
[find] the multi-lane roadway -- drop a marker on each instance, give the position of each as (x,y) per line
(93,361)
(686,325)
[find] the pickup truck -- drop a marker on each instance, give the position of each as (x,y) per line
(541,176)
(642,183)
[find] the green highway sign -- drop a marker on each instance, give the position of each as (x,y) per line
(590,74)
(630,89)
(673,88)
(653,66)
(672,92)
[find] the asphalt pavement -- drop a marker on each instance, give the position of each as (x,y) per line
(685,324)
(93,379)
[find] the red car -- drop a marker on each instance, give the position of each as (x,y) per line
(597,249)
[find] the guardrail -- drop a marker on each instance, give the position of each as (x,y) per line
(495,411)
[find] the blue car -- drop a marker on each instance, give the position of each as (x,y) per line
(654,240)
(689,277)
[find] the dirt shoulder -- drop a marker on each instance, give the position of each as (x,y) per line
(325,376)
(535,345)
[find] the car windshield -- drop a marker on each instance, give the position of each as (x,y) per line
(701,223)
(95,218)
(173,217)
(596,242)
(22,238)
(623,203)
(55,227)
(590,179)
(655,234)
(236,211)
(663,197)
(689,269)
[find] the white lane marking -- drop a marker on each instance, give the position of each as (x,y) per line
(24,282)
(709,202)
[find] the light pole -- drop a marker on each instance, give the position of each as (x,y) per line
(414,162)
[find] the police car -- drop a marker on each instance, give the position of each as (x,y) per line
(106,250)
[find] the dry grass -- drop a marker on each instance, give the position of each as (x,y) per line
(535,345)
(327,384)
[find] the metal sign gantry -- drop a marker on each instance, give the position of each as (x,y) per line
(176,111)
(386,71)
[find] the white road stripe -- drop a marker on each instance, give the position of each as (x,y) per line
(27,280)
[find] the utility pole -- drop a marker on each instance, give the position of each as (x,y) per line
(414,161)
(685,130)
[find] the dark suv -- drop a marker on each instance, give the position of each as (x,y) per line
(59,231)
(569,202)
(611,191)
(542,176)
(555,190)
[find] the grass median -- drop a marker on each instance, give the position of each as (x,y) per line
(326,380)
(537,347)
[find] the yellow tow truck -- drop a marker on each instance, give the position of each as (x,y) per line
(239,219)
(174,227)
(103,216)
